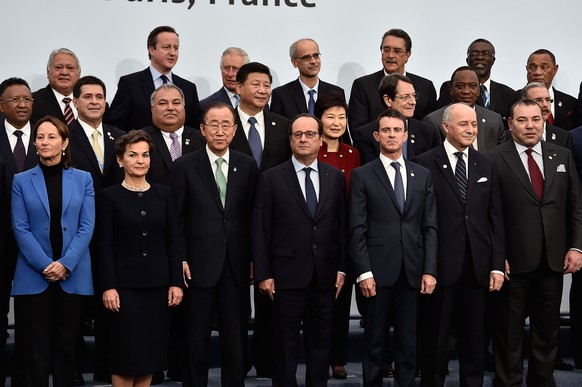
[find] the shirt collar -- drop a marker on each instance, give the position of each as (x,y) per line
(26,129)
(60,96)
(387,161)
(156,74)
(212,157)
(89,129)
(537,148)
(307,88)
(179,132)
(244,117)
(451,150)
(298,166)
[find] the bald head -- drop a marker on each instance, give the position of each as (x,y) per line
(460,125)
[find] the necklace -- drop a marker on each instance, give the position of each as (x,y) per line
(132,188)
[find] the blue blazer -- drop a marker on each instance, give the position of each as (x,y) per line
(31,224)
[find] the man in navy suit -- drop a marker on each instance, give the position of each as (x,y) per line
(393,245)
(470,250)
(130,108)
(365,105)
(232,59)
(214,189)
(63,71)
(299,251)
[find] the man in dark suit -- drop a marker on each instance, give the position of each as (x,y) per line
(130,108)
(393,245)
(542,67)
(493,95)
(465,89)
(232,59)
(578,115)
(171,137)
(365,105)
(214,190)
(543,223)
(299,251)
(63,71)
(18,154)
(398,93)
(470,250)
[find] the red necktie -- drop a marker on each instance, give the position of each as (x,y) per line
(69,115)
(551,119)
(537,180)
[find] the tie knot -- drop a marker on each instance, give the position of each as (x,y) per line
(395,165)
(219,162)
(95,134)
(67,100)
(164,79)
(311,92)
(459,155)
(252,120)
(307,170)
(18,133)
(529,151)
(173,136)
(483,88)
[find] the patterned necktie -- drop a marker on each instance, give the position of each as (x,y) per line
(69,115)
(221,180)
(537,180)
(164,79)
(398,185)
(255,141)
(19,151)
(175,147)
(483,97)
(310,196)
(311,103)
(237,98)
(97,148)
(461,175)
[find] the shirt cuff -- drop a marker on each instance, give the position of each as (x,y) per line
(364,276)
(342,273)
(575,249)
(497,272)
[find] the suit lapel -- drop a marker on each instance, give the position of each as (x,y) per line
(233,181)
(160,143)
(298,97)
(205,172)
(109,151)
(473,170)
(269,128)
(551,164)
(323,187)
(40,187)
(383,177)
(6,151)
(513,160)
(67,188)
(290,177)
(147,84)
(78,135)
(240,141)
(444,165)
(410,182)
(188,140)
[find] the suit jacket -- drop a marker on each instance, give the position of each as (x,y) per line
(578,115)
(291,246)
(160,159)
(421,137)
(576,135)
(8,157)
(276,149)
(559,137)
(382,239)
(219,96)
(84,157)
(502,98)
(209,231)
(366,104)
(45,104)
(491,131)
(131,108)
(289,101)
(564,109)
(31,222)
(479,220)
(555,223)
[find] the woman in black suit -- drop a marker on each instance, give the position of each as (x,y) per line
(139,266)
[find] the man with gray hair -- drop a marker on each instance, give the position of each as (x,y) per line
(63,71)
(232,59)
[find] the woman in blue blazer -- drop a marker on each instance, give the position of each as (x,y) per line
(53,215)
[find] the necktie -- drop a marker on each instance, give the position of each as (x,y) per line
(19,151)
(175,147)
(97,148)
(255,141)
(237,98)
(484,97)
(551,119)
(310,196)
(398,185)
(461,175)
(221,180)
(311,103)
(69,115)
(164,79)
(537,180)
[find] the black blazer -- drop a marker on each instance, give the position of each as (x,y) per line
(131,108)
(502,98)
(276,149)
(289,101)
(421,137)
(219,96)
(555,223)
(45,104)
(366,104)
(208,231)
(479,220)
(565,109)
(291,246)
(381,238)
(559,137)
(160,159)
(84,158)
(578,115)
(8,157)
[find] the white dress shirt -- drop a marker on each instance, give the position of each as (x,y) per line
(260,125)
(26,133)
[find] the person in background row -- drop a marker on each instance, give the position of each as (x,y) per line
(233,58)
(53,216)
(140,265)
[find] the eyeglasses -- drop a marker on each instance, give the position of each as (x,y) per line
(407,97)
(484,54)
(309,134)
(542,100)
(215,125)
(395,51)
(307,58)
(18,100)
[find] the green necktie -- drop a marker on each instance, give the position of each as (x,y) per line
(221,180)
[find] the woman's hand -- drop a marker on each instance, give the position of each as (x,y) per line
(175,295)
(111,300)
(55,272)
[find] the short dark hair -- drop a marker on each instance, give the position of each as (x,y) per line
(88,80)
(543,51)
(252,67)
(319,123)
(328,100)
(217,105)
(153,36)
(523,102)
(463,68)
(389,85)
(398,33)
(390,114)
(133,137)
(63,132)
(481,40)
(11,82)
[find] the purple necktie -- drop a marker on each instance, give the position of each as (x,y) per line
(19,151)
(69,115)
(175,147)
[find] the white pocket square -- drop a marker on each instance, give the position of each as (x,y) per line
(561,168)
(482,180)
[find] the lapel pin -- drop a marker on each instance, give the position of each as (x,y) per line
(110,137)
(412,141)
(350,151)
(187,141)
(411,173)
(412,136)
(550,157)
(273,123)
(553,136)
(325,155)
(560,103)
(483,120)
(445,166)
(234,169)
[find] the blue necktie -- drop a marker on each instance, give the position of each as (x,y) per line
(483,97)
(461,175)
(311,103)
(164,79)
(398,185)
(255,141)
(237,98)
(310,196)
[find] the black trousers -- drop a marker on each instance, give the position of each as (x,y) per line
(8,255)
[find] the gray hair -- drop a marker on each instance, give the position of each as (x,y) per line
(235,51)
(529,86)
(165,86)
(293,48)
(62,51)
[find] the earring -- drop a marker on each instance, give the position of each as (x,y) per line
(64,151)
